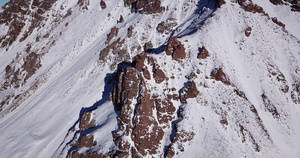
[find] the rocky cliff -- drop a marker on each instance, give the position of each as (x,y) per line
(150,78)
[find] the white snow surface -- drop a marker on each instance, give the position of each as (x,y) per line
(72,78)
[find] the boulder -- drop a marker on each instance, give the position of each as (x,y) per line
(176,49)
(248,31)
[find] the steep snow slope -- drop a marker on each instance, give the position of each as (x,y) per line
(210,92)
(282,13)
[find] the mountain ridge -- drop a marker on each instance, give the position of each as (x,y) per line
(142,87)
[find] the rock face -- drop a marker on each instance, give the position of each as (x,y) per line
(203,53)
(129,84)
(135,121)
(138,61)
(219,75)
(189,91)
(160,96)
(176,49)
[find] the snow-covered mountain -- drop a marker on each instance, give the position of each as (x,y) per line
(150,78)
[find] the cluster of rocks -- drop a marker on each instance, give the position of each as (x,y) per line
(295,4)
(14,16)
(145,6)
(248,6)
(167,26)
(219,75)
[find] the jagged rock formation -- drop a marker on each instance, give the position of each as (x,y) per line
(149,78)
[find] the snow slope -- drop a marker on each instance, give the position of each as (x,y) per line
(72,80)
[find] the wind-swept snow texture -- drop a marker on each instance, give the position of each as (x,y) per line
(241,99)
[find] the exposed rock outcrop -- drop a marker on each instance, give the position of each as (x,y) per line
(203,53)
(176,49)
(145,6)
(248,6)
(158,75)
(167,26)
(276,21)
(138,61)
(219,75)
(113,33)
(295,94)
(189,91)
(14,16)
(131,98)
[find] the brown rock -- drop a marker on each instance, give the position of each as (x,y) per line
(191,76)
(176,49)
(248,31)
(276,2)
(248,6)
(165,109)
(14,15)
(136,120)
(296,7)
(161,27)
(138,61)
(159,76)
(151,60)
(87,141)
(270,106)
(113,33)
(276,21)
(148,46)
(117,53)
(146,74)
(145,6)
(127,88)
(219,75)
(102,4)
(121,19)
(83,4)
(145,142)
(203,53)
(166,26)
(87,155)
(224,122)
(221,2)
(190,91)
(86,122)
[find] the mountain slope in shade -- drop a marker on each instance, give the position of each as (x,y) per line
(158,78)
